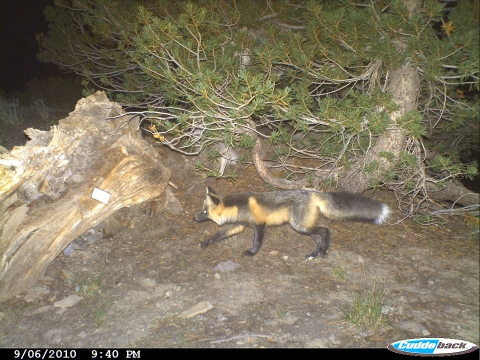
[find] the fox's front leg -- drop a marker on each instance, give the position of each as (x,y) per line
(223,234)
(259,233)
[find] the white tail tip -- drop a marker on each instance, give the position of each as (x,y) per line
(383,216)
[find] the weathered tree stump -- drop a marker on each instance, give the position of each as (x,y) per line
(46,186)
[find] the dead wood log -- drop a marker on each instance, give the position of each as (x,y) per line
(455,192)
(46,186)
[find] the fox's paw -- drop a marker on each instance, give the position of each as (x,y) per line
(311,256)
(204,244)
(248,253)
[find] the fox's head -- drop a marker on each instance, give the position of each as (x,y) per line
(211,208)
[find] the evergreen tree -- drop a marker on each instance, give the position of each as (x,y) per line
(352,94)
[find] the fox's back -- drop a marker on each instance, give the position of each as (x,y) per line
(306,206)
(270,208)
(269,199)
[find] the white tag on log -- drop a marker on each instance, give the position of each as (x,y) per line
(101,195)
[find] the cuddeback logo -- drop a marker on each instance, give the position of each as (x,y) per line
(432,347)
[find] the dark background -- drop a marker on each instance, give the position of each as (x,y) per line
(20,20)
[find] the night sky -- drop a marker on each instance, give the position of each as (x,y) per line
(20,20)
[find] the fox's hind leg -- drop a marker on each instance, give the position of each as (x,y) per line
(321,235)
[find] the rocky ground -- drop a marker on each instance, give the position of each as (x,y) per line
(151,285)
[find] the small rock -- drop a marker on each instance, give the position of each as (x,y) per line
(333,340)
(317,343)
(68,250)
(149,282)
(387,309)
(43,309)
(201,308)
(228,265)
(35,292)
(222,318)
(172,205)
(67,302)
(414,327)
(54,336)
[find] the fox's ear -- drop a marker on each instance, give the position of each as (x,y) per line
(210,191)
(212,196)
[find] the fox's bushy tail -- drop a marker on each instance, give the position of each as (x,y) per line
(353,207)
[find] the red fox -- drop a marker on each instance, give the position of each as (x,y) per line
(302,209)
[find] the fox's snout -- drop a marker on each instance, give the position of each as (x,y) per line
(201,216)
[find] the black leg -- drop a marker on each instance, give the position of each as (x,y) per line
(221,235)
(321,236)
(259,233)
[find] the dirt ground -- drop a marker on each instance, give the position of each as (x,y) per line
(152,286)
